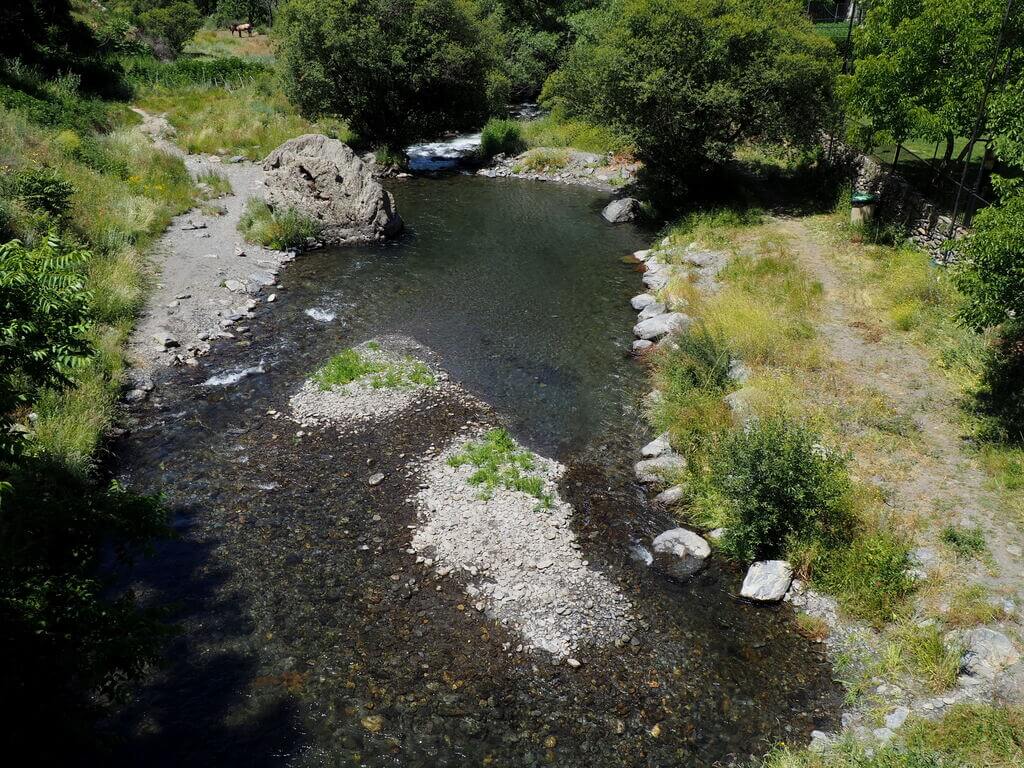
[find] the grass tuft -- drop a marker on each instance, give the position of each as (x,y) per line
(500,463)
(280,230)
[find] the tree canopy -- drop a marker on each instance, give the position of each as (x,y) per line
(687,80)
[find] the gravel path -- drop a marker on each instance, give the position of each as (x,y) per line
(207,279)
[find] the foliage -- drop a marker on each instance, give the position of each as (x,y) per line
(779,487)
(397,70)
(499,462)
(990,272)
(556,130)
(688,80)
(543,160)
(280,230)
(187,71)
(43,189)
(173,24)
(1000,396)
(43,321)
(921,67)
(501,137)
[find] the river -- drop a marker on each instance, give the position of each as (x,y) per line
(308,634)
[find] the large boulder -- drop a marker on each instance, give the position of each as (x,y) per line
(622,210)
(680,552)
(767,580)
(655,470)
(322,178)
(655,327)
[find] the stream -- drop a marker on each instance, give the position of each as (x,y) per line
(309,635)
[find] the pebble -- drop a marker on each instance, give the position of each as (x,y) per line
(376,479)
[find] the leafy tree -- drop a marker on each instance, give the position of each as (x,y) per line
(172,24)
(396,69)
(687,80)
(922,66)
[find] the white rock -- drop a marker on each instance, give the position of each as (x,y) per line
(680,551)
(656,327)
(654,470)
(672,495)
(651,310)
(235,286)
(657,447)
(641,345)
(621,211)
(767,580)
(717,534)
(896,718)
(656,280)
(642,300)
(988,652)
(642,255)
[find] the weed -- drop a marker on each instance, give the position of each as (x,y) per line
(555,130)
(213,184)
(812,627)
(965,542)
(501,137)
(921,651)
(971,605)
(280,230)
(544,160)
(499,462)
(349,365)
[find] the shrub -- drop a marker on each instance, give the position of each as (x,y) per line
(990,272)
(779,486)
(44,189)
(172,24)
(280,230)
(965,542)
(1000,396)
(501,137)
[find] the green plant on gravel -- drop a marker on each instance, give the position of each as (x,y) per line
(500,463)
(779,487)
(922,652)
(965,542)
(543,160)
(349,365)
(280,230)
(216,184)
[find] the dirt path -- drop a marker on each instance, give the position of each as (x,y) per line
(207,278)
(941,483)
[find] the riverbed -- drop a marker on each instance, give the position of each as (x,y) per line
(309,633)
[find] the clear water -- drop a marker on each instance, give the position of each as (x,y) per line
(303,618)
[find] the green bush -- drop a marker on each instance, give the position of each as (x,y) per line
(172,24)
(501,137)
(1000,396)
(44,189)
(780,487)
(280,230)
(965,542)
(990,271)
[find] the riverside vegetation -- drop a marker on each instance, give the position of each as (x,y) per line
(687,86)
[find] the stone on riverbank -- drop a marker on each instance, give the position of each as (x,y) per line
(621,211)
(641,301)
(670,496)
(767,580)
(323,179)
(988,652)
(680,552)
(655,327)
(651,310)
(658,446)
(656,470)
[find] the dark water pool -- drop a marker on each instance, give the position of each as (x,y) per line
(309,636)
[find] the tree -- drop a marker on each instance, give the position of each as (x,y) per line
(922,66)
(172,24)
(398,70)
(687,80)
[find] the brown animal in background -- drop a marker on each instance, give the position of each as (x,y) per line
(240,28)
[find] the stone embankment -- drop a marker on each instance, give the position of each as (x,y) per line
(585,169)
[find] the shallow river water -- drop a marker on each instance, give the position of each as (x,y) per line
(308,635)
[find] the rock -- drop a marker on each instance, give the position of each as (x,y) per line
(641,301)
(882,734)
(820,741)
(165,340)
(656,280)
(680,552)
(654,470)
(622,210)
(651,310)
(376,479)
(642,255)
(767,580)
(1010,685)
(658,446)
(574,663)
(373,723)
(988,652)
(323,179)
(262,278)
(641,345)
(135,395)
(272,298)
(717,534)
(896,718)
(235,286)
(738,372)
(656,327)
(669,496)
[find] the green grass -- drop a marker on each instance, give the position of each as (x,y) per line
(500,463)
(554,130)
(350,365)
(972,605)
(501,137)
(921,652)
(966,543)
(280,230)
(217,184)
(542,160)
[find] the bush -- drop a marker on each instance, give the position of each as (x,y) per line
(990,271)
(172,24)
(1000,396)
(780,487)
(395,72)
(501,137)
(280,230)
(43,189)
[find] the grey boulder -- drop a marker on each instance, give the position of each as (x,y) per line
(767,580)
(641,301)
(655,470)
(988,652)
(323,179)
(651,310)
(680,552)
(655,327)
(622,210)
(657,447)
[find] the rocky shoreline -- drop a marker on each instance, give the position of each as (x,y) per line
(586,169)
